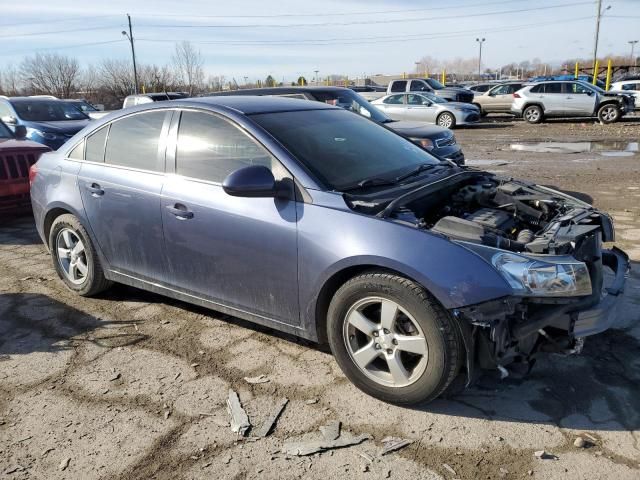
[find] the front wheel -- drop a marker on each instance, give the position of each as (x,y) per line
(608,113)
(446,120)
(74,257)
(392,340)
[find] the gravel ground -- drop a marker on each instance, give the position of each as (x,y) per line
(134,385)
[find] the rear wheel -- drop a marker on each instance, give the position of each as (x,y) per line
(609,113)
(392,340)
(446,120)
(533,114)
(74,257)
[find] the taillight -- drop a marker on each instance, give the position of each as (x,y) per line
(33,171)
(515,95)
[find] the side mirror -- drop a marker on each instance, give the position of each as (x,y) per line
(252,181)
(20,132)
(9,120)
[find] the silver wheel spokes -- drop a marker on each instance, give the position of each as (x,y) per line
(72,256)
(532,114)
(609,114)
(385,342)
(445,121)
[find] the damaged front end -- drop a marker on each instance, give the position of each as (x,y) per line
(545,244)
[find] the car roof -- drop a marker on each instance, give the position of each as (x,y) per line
(276,91)
(34,99)
(243,104)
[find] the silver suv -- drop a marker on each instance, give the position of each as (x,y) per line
(537,101)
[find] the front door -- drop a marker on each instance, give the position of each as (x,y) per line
(420,109)
(120,184)
(580,100)
(239,252)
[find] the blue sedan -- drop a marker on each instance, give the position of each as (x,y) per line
(315,221)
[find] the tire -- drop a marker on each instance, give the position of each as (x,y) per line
(533,114)
(80,269)
(446,120)
(427,372)
(609,113)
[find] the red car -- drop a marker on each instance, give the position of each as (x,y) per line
(16,156)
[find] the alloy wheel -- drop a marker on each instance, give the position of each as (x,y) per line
(532,114)
(445,120)
(385,342)
(609,113)
(72,256)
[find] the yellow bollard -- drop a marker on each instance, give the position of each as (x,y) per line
(404,75)
(444,77)
(608,83)
(596,67)
(576,74)
(426,73)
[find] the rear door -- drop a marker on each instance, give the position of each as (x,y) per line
(499,99)
(120,182)
(239,252)
(394,106)
(580,100)
(553,98)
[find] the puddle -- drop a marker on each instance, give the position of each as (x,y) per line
(605,148)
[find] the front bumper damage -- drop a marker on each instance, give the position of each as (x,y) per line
(508,333)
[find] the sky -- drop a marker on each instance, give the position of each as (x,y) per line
(288,38)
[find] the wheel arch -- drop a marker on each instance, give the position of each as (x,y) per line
(532,104)
(339,278)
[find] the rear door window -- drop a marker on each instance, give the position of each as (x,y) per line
(399,86)
(134,140)
(553,88)
(394,100)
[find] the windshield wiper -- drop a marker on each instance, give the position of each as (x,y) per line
(369,182)
(423,167)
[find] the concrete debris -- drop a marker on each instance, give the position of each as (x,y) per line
(268,424)
(194,365)
(315,446)
(331,431)
(543,455)
(367,457)
(64,464)
(579,442)
(239,419)
(449,469)
(256,380)
(166,414)
(591,437)
(14,469)
(311,401)
(391,444)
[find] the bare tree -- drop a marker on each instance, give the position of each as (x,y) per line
(189,63)
(9,81)
(117,77)
(50,73)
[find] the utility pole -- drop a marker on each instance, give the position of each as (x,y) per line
(480,42)
(316,72)
(597,34)
(633,44)
(133,54)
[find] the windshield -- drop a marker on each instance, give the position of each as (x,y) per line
(47,111)
(4,131)
(349,100)
(436,85)
(83,106)
(343,149)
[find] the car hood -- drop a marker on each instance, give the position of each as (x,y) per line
(12,144)
(455,89)
(418,129)
(460,105)
(66,127)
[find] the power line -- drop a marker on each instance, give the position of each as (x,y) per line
(60,20)
(369,22)
(366,40)
(14,52)
(53,32)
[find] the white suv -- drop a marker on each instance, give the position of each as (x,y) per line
(628,86)
(537,101)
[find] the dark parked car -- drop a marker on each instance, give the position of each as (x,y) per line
(48,120)
(452,94)
(16,157)
(317,222)
(438,140)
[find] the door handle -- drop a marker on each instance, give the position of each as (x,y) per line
(180,211)
(95,190)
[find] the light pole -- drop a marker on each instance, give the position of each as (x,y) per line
(633,44)
(316,72)
(480,42)
(133,54)
(417,68)
(599,14)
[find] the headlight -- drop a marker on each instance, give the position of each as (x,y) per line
(537,275)
(45,135)
(425,143)
(563,277)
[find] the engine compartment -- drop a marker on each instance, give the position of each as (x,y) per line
(506,214)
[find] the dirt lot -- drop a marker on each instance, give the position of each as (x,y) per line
(133,385)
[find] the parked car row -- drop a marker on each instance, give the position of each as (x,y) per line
(307,218)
